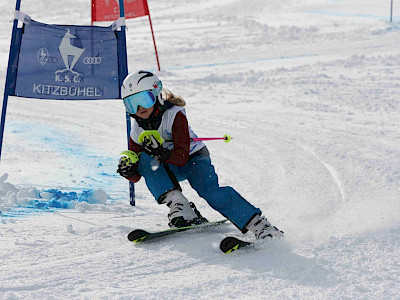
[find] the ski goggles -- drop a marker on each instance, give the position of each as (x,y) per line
(145,99)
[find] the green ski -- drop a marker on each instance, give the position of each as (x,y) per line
(230,244)
(139,236)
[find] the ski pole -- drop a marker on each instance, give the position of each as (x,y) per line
(226,138)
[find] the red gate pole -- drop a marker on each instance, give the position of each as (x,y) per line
(152,33)
(92,11)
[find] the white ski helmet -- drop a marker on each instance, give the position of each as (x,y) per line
(141,88)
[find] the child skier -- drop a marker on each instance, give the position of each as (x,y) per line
(178,158)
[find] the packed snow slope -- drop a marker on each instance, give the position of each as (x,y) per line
(310,91)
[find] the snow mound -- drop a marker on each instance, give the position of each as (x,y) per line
(12,197)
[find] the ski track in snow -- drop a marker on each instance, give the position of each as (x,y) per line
(309,91)
(333,173)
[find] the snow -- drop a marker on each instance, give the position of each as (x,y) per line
(309,91)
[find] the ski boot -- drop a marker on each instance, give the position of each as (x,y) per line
(262,228)
(182,212)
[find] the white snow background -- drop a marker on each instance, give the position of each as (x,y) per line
(310,91)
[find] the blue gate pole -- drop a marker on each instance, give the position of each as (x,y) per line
(391,11)
(8,78)
(123,74)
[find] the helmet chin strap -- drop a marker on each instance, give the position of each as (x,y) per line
(160,99)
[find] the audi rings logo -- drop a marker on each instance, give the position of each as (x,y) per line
(96,60)
(44,57)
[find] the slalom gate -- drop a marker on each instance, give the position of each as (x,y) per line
(66,62)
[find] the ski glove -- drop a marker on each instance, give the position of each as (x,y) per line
(152,147)
(126,168)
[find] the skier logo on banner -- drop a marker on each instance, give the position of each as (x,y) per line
(44,57)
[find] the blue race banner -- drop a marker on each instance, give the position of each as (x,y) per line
(65,62)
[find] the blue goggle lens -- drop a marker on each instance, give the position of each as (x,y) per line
(144,99)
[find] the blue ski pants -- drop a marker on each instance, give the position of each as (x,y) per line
(202,177)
